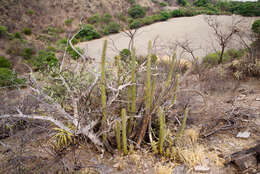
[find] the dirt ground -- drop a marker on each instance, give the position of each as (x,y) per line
(230,109)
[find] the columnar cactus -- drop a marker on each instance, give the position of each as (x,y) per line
(133,90)
(118,135)
(148,80)
(169,78)
(103,88)
(162,132)
(176,85)
(124,138)
(183,124)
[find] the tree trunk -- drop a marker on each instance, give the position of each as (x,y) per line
(221,55)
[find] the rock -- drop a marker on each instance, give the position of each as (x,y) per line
(245,134)
(181,169)
(202,169)
(257,99)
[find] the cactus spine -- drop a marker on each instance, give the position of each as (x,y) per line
(118,136)
(183,124)
(103,89)
(162,132)
(124,139)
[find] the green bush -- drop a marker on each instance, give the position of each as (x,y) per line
(27,31)
(68,22)
(211,59)
(256,27)
(74,55)
(182,2)
(8,78)
(88,33)
(125,54)
(46,60)
(106,18)
(234,54)
(112,27)
(30,12)
(137,23)
(148,20)
(28,53)
(17,35)
(3,31)
(165,15)
(202,3)
(137,11)
(96,18)
(177,13)
(4,63)
(163,4)
(132,2)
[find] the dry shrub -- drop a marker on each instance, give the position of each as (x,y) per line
(218,79)
(246,68)
(163,170)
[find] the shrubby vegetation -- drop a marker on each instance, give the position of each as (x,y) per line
(27,31)
(3,31)
(8,78)
(46,60)
(137,11)
(256,27)
(231,54)
(88,33)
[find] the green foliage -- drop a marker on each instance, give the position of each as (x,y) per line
(63,139)
(8,78)
(202,3)
(74,55)
(256,27)
(17,35)
(137,11)
(112,27)
(125,54)
(148,20)
(106,18)
(229,55)
(30,12)
(182,2)
(3,31)
(165,15)
(132,2)
(28,53)
(88,33)
(68,22)
(45,60)
(242,8)
(4,63)
(96,18)
(163,4)
(137,23)
(154,58)
(27,31)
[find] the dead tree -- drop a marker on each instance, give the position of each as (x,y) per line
(223,35)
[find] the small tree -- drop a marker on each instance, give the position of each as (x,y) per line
(223,35)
